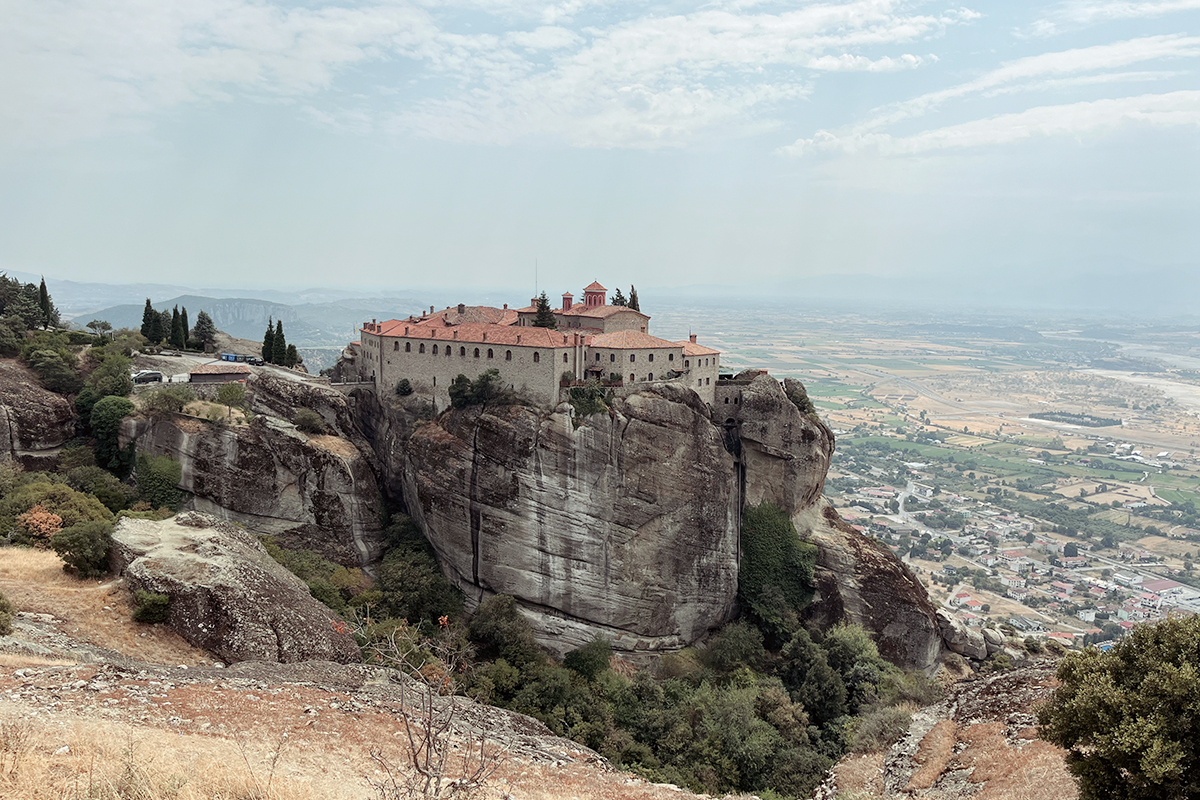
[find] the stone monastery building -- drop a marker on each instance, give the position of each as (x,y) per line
(593,340)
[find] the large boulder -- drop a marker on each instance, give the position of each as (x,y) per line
(228,596)
(34,423)
(961,639)
(624,525)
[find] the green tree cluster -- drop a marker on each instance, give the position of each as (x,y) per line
(1127,718)
(545,315)
(487,389)
(158,480)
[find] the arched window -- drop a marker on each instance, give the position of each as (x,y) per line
(447,349)
(726,401)
(489,352)
(537,357)
(408,347)
(632,357)
(650,357)
(435,349)
(462,351)
(421,348)
(631,378)
(612,356)
(564,358)
(508,355)
(685,363)
(650,377)
(670,356)
(477,352)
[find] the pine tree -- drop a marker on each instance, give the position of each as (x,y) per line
(545,316)
(45,304)
(279,345)
(268,351)
(177,337)
(148,317)
(618,299)
(633,301)
(186,330)
(206,330)
(292,357)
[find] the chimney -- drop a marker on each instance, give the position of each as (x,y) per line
(431,310)
(485,337)
(533,302)
(506,306)
(406,330)
(518,338)
(462,308)
(456,333)
(692,338)
(568,298)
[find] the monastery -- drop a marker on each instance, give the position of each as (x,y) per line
(593,340)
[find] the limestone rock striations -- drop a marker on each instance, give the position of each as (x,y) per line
(227,595)
(317,492)
(625,526)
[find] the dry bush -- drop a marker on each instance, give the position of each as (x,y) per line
(933,754)
(1037,769)
(861,774)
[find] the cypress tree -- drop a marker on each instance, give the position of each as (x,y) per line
(177,335)
(268,351)
(148,317)
(545,316)
(164,329)
(279,345)
(186,328)
(633,301)
(44,303)
(292,358)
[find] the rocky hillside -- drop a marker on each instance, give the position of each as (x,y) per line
(34,423)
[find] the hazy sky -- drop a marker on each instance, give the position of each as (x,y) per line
(734,141)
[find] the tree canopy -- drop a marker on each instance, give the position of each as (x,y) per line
(206,330)
(545,315)
(1128,717)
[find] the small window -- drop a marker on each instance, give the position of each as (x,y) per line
(564,358)
(597,356)
(632,357)
(537,357)
(435,349)
(421,348)
(408,347)
(489,352)
(699,381)
(685,363)
(631,378)
(477,352)
(726,401)
(612,356)
(650,377)
(447,350)
(395,345)
(708,381)
(737,400)
(508,355)
(650,357)
(435,376)
(462,351)
(670,356)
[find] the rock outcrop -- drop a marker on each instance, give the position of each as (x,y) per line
(317,492)
(625,526)
(34,423)
(227,595)
(961,639)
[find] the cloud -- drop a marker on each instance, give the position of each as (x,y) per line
(1044,72)
(633,77)
(1082,13)
(1173,109)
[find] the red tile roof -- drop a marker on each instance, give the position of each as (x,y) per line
(601,312)
(478,333)
(693,349)
(594,287)
(221,368)
(629,340)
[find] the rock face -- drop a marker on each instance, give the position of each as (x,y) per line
(227,595)
(625,526)
(961,639)
(317,492)
(34,423)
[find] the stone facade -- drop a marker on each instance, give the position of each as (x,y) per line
(431,350)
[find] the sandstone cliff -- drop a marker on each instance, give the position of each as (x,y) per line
(34,423)
(625,526)
(317,492)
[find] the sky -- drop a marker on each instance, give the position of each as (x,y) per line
(514,143)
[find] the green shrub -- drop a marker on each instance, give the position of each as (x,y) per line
(591,660)
(158,481)
(487,389)
(498,630)
(167,400)
(404,388)
(84,548)
(589,399)
(308,421)
(107,413)
(151,607)
(57,498)
(776,577)
(879,729)
(7,612)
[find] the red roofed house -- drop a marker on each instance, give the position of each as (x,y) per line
(593,340)
(220,372)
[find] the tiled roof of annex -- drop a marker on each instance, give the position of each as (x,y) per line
(477,314)
(693,349)
(629,340)
(476,333)
(594,286)
(220,368)
(597,311)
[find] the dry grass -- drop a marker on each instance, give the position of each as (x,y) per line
(93,611)
(1014,773)
(933,754)
(863,774)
